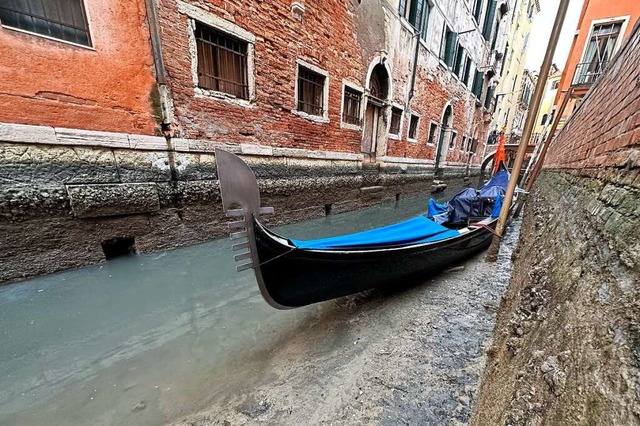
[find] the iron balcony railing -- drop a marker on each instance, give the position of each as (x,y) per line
(588,72)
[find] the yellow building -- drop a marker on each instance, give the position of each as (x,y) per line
(509,105)
(547,109)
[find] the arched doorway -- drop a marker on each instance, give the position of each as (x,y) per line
(377,101)
(445,133)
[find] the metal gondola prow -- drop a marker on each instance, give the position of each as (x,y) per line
(241,199)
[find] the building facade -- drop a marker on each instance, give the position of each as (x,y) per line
(546,112)
(602,28)
(109,140)
(75,64)
(508,112)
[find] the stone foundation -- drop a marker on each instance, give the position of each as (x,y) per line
(567,343)
(59,202)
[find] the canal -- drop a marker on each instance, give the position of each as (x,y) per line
(149,339)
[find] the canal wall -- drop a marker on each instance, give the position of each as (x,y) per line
(68,195)
(566,346)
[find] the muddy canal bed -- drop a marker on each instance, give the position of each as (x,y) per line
(410,356)
(179,337)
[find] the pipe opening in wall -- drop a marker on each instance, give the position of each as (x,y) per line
(117,247)
(327,209)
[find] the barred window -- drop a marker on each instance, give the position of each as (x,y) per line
(222,62)
(61,19)
(351,106)
(413,127)
(396,119)
(310,91)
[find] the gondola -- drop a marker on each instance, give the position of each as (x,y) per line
(293,273)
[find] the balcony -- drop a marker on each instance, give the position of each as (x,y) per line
(587,73)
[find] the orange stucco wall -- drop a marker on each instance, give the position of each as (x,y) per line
(47,82)
(595,10)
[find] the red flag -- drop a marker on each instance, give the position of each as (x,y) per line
(500,155)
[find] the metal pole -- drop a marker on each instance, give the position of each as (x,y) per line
(528,129)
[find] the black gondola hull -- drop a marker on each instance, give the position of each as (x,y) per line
(298,277)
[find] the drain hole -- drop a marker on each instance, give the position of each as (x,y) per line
(327,209)
(117,247)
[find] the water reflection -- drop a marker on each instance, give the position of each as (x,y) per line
(142,340)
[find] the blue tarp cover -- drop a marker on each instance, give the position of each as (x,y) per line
(416,230)
(501,179)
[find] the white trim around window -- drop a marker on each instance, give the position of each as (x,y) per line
(397,136)
(623,28)
(356,88)
(434,143)
(211,20)
(415,138)
(324,118)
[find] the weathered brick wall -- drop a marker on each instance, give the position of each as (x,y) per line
(567,341)
(107,87)
(340,37)
(605,130)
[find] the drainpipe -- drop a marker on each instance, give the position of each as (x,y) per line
(166,103)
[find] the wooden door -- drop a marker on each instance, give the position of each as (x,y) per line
(371,122)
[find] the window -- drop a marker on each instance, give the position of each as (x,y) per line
(457,63)
(598,53)
(477,10)
(396,119)
(478,82)
(425,20)
(448,46)
(463,145)
(351,101)
(222,62)
(413,127)
(60,19)
(433,128)
(489,97)
(310,91)
(489,18)
(411,10)
(452,141)
(544,119)
(467,71)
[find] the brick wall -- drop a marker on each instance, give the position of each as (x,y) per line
(343,39)
(605,130)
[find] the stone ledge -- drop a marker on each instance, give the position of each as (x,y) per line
(88,201)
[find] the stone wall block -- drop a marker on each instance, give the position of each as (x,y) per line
(89,201)
(143,166)
(47,164)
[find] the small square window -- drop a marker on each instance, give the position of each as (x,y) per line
(222,62)
(433,128)
(351,106)
(396,119)
(413,127)
(310,91)
(62,19)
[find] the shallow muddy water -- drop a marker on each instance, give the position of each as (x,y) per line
(140,340)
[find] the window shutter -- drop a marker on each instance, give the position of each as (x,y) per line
(450,49)
(425,20)
(403,6)
(489,18)
(477,84)
(489,98)
(415,14)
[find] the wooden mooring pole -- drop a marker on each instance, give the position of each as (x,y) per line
(492,256)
